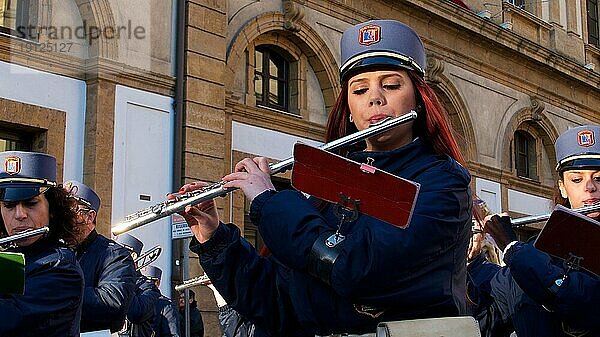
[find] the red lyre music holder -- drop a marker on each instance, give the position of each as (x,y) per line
(354,185)
(572,237)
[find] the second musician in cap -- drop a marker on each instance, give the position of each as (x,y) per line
(107,267)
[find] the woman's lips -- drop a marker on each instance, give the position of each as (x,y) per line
(378,118)
(592,201)
(21,229)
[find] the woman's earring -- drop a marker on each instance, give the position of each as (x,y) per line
(350,118)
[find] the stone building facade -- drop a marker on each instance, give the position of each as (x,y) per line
(512,76)
(256,76)
(92,82)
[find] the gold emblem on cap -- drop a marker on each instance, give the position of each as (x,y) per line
(586,138)
(12,165)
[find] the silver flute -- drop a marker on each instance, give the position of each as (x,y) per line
(24,235)
(178,204)
(196,281)
(543,217)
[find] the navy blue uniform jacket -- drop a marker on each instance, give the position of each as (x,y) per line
(141,311)
(409,273)
(575,304)
(51,305)
(524,299)
(491,314)
(166,321)
(110,277)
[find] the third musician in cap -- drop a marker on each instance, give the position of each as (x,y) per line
(536,294)
(140,313)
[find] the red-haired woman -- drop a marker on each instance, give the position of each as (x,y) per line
(379,272)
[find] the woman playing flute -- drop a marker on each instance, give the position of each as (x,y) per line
(381,272)
(536,294)
(30,199)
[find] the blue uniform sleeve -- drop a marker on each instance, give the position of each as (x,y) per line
(109,300)
(576,300)
(234,325)
(481,273)
(488,289)
(169,320)
(53,290)
(229,260)
(376,252)
(142,306)
(501,298)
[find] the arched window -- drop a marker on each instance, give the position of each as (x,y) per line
(271,78)
(525,155)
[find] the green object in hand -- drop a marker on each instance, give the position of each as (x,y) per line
(12,269)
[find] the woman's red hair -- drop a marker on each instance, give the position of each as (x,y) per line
(431,123)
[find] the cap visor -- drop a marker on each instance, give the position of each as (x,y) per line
(18,193)
(583,164)
(377,62)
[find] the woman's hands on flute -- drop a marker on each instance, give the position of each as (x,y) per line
(202,218)
(253,176)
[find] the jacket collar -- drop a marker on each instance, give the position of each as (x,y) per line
(83,246)
(398,159)
(35,248)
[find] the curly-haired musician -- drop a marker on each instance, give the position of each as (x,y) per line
(30,199)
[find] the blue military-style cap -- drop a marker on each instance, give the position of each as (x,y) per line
(24,175)
(152,272)
(578,148)
(131,243)
(83,194)
(381,43)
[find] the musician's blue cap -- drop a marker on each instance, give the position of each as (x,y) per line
(83,193)
(578,148)
(130,242)
(23,175)
(152,272)
(381,44)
